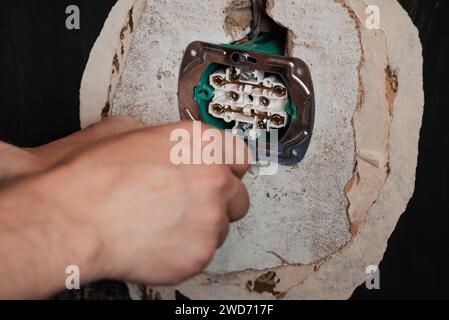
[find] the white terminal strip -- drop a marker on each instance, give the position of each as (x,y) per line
(253,99)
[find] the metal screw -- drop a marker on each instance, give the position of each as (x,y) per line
(277,119)
(279,91)
(234,96)
(244,57)
(265,101)
(217,109)
(219,81)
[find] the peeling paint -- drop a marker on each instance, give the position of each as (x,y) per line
(266,283)
(118,62)
(392,86)
(149,293)
(361,97)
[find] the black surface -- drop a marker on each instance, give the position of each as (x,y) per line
(41,64)
(416,262)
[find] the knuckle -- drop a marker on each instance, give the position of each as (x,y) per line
(122,121)
(215,217)
(116,124)
(219,177)
(189,125)
(199,253)
(204,254)
(114,119)
(245,198)
(178,278)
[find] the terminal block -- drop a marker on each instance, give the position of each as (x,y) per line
(250,88)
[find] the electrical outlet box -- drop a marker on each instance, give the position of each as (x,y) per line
(250,88)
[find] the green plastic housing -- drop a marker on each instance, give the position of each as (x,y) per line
(204,92)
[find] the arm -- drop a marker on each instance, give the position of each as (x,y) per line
(38,240)
(17,161)
(117,211)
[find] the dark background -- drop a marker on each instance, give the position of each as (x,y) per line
(41,64)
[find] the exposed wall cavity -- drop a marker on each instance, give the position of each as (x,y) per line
(238,15)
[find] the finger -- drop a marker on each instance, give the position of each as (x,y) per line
(238,202)
(236,155)
(223,234)
(109,127)
(234,151)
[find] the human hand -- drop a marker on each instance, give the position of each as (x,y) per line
(142,218)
